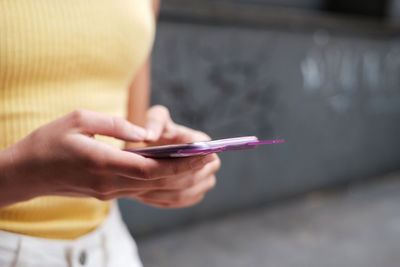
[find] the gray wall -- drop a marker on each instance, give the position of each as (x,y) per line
(334,97)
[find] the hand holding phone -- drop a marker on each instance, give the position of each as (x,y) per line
(202,148)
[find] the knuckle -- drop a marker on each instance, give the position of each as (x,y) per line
(113,123)
(179,197)
(192,182)
(101,187)
(78,116)
(117,123)
(144,172)
(161,109)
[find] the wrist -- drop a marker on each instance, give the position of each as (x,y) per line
(14,185)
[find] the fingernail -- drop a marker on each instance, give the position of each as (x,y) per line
(198,163)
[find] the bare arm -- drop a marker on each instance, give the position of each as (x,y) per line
(139,95)
(62,158)
(139,91)
(190,188)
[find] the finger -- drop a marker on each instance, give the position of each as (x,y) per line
(91,123)
(179,182)
(181,196)
(182,134)
(165,205)
(139,196)
(190,180)
(135,166)
(120,185)
(139,187)
(157,119)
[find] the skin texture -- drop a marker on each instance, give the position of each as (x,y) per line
(185,189)
(62,157)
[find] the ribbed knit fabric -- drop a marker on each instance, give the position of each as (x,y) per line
(57,56)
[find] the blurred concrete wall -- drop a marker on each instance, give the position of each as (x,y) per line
(329,86)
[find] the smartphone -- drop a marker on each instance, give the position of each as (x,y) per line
(202,148)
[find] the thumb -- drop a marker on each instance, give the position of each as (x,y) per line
(157,120)
(91,123)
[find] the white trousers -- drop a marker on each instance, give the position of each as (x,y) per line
(110,245)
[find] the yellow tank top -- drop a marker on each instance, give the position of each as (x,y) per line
(57,56)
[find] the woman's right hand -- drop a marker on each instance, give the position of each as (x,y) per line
(62,158)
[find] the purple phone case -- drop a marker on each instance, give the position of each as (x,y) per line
(201,148)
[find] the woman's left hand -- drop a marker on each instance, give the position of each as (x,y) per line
(182,190)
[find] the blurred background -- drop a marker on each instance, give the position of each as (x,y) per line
(322,74)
